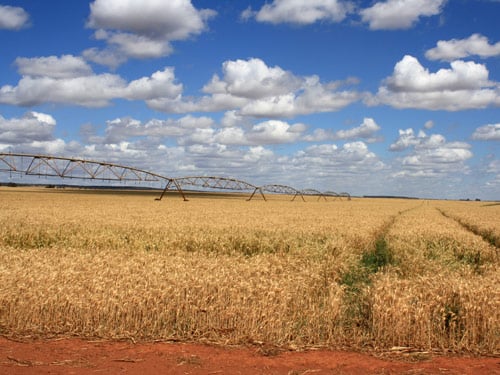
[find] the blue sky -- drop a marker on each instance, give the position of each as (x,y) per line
(396,97)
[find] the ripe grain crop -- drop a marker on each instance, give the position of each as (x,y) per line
(478,217)
(425,241)
(443,290)
(228,271)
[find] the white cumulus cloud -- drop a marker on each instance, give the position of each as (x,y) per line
(465,85)
(274,132)
(142,29)
(302,12)
(352,158)
(33,126)
(490,132)
(367,130)
(399,14)
(124,129)
(66,66)
(252,79)
(33,133)
(13,18)
(69,80)
(252,88)
(430,155)
(475,45)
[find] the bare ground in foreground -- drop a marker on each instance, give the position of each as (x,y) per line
(74,356)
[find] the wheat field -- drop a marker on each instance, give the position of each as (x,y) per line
(358,274)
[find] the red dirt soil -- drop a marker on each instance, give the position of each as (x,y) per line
(73,356)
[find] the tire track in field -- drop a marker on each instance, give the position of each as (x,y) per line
(487,235)
(381,233)
(358,277)
(361,290)
(374,258)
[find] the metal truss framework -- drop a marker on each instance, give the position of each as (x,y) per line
(208,182)
(76,168)
(44,165)
(314,192)
(337,195)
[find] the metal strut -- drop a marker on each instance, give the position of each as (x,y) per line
(260,191)
(177,186)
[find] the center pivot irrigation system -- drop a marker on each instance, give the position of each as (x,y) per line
(75,168)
